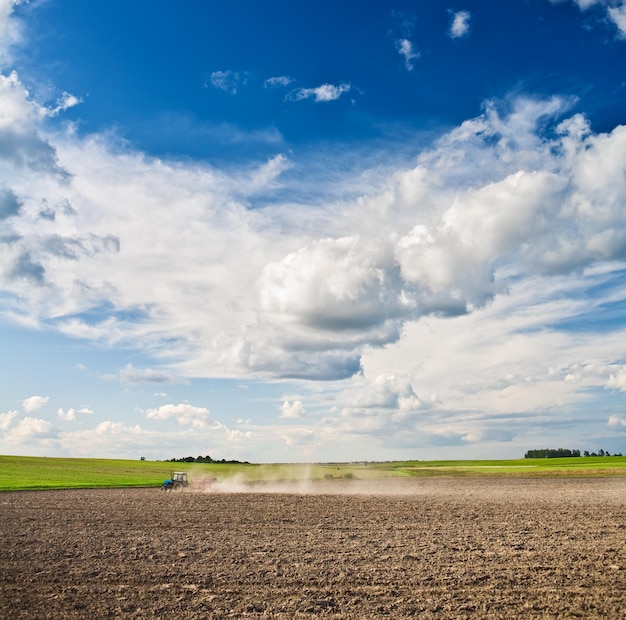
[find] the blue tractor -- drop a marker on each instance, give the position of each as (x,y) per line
(177,482)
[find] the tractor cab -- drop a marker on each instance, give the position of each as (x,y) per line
(177,482)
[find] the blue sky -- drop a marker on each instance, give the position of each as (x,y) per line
(290,232)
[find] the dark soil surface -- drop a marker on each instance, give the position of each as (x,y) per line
(419,548)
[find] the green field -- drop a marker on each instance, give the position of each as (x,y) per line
(22,472)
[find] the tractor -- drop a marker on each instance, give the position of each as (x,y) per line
(177,482)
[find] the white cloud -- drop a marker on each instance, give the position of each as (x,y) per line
(616,421)
(130,374)
(297,436)
(10,30)
(30,430)
(292,410)
(187,415)
(406,50)
(68,416)
(228,81)
(65,102)
(119,439)
(504,371)
(315,285)
(34,402)
(113,438)
(459,27)
(386,392)
(323,93)
(6,419)
(617,14)
(617,380)
(278,81)
(615,11)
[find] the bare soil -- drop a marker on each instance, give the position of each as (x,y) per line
(419,548)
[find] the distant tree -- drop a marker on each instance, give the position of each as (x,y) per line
(586,453)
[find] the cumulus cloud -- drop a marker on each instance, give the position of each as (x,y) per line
(524,190)
(184,414)
(616,421)
(30,430)
(278,81)
(617,380)
(292,410)
(112,438)
(323,93)
(388,392)
(518,371)
(6,419)
(70,414)
(315,285)
(459,26)
(22,144)
(34,402)
(406,50)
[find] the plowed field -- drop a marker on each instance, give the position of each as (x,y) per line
(416,548)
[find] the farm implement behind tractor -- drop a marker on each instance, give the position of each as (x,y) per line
(180,481)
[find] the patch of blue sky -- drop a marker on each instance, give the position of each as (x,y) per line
(604,318)
(599,316)
(146,69)
(104,312)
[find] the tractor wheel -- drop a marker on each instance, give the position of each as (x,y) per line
(178,486)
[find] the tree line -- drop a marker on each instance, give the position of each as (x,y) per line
(551,453)
(202,459)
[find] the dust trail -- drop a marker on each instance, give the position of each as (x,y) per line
(308,486)
(490,489)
